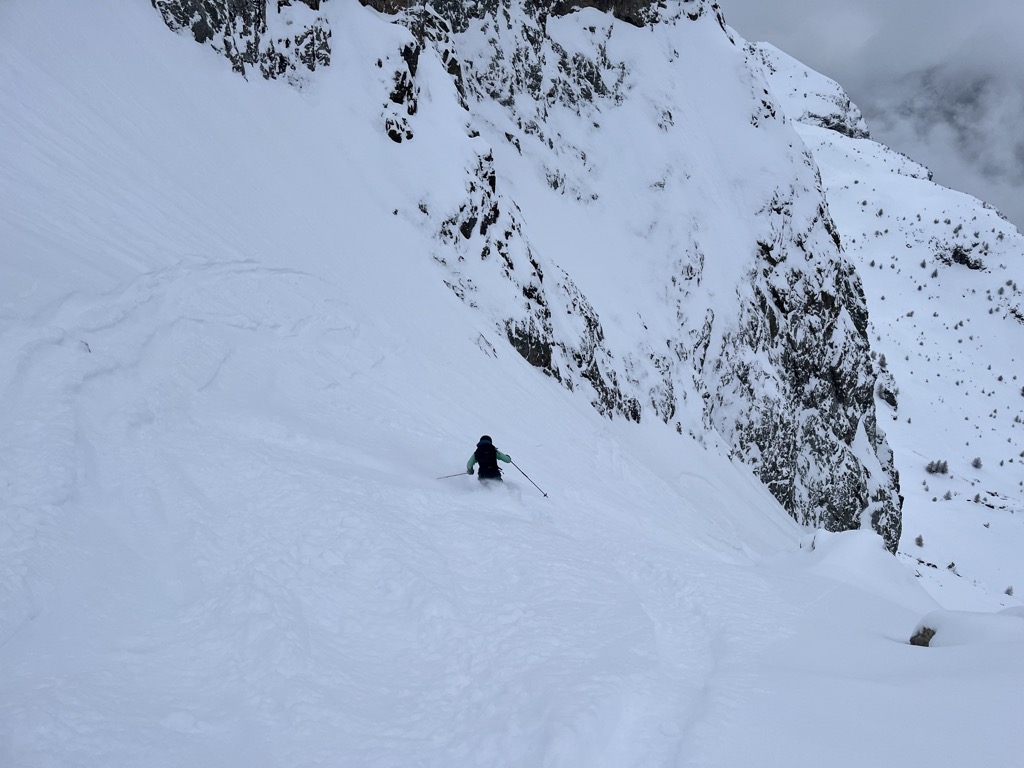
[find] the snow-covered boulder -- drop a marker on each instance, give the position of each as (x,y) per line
(946,628)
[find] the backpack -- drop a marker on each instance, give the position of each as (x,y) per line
(487,456)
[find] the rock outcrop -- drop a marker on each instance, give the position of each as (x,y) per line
(279,39)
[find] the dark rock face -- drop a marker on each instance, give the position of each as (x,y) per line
(639,13)
(239,30)
(792,387)
(959,254)
(923,637)
(790,384)
(795,395)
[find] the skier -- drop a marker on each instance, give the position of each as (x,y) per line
(488,456)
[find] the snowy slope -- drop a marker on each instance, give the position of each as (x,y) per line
(942,274)
(228,391)
(569,168)
(687,201)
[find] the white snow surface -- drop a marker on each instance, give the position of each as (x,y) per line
(230,380)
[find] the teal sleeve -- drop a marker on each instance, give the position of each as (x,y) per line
(472,461)
(501,456)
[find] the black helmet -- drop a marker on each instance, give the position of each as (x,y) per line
(485,439)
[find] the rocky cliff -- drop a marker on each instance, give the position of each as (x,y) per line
(640,221)
(278,38)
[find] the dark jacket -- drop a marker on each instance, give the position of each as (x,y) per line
(487,456)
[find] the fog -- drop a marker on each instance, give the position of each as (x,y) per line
(939,80)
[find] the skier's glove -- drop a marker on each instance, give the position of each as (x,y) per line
(469,471)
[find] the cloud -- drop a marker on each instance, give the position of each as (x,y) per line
(864,40)
(940,80)
(964,125)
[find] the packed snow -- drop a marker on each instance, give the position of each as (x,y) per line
(232,379)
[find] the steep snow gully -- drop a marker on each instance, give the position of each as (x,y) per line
(227,393)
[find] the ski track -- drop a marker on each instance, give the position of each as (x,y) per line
(396,616)
(228,392)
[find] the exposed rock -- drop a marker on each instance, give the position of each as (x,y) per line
(886,390)
(241,31)
(923,637)
(639,13)
(958,253)
(793,388)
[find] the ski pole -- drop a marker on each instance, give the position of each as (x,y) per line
(457,474)
(528,478)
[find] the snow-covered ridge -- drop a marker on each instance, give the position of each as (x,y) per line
(808,96)
(943,274)
(659,243)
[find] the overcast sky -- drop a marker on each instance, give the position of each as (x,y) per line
(941,80)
